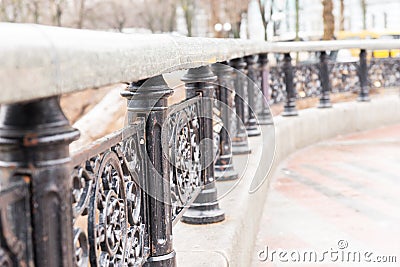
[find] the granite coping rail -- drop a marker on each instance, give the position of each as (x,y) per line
(41,61)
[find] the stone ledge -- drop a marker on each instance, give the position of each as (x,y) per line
(55,60)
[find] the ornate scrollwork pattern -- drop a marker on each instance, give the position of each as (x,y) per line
(107,203)
(184,153)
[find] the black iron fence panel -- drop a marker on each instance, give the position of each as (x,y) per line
(344,77)
(184,154)
(385,72)
(108,192)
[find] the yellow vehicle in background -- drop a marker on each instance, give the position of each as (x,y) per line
(388,35)
(369,34)
(357,35)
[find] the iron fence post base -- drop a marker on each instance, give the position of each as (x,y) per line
(323,104)
(265,118)
(240,148)
(253,130)
(363,99)
(205,210)
(226,175)
(290,111)
(162,261)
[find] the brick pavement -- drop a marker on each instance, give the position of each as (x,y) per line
(345,189)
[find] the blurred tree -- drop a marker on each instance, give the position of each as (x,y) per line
(225,11)
(81,12)
(234,10)
(161,16)
(34,9)
(329,20)
(188,7)
(215,12)
(13,10)
(266,9)
(341,22)
(297,38)
(112,14)
(156,15)
(364,13)
(58,10)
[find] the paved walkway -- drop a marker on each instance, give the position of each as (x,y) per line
(338,201)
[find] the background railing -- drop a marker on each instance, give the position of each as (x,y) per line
(114,202)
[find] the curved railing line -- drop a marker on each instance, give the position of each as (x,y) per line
(52,60)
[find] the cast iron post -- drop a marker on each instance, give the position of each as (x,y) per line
(265,116)
(290,105)
(363,76)
(324,101)
(34,142)
(205,209)
(224,169)
(252,125)
(240,143)
(148,99)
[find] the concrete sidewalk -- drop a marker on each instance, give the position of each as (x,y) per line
(339,195)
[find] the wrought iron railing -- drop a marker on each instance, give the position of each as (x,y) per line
(109,200)
(114,202)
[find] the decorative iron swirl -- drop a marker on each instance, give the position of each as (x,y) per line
(107,205)
(184,154)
